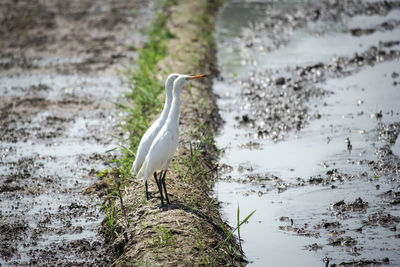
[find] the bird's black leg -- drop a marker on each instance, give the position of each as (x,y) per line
(165,187)
(147,190)
(158,182)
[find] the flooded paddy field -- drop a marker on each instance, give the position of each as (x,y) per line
(59,79)
(310,95)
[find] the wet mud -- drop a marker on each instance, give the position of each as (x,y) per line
(309,93)
(59,80)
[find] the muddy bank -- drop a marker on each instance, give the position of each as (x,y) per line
(309,93)
(190,231)
(59,65)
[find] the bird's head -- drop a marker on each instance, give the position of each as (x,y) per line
(169,83)
(184,79)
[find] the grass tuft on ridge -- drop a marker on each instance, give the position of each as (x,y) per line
(144,88)
(143,106)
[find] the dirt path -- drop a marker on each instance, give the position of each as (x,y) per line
(59,64)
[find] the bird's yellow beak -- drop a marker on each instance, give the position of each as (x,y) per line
(196,77)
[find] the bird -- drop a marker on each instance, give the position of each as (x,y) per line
(165,144)
(154,129)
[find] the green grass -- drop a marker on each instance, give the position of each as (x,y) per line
(144,86)
(164,238)
(144,89)
(110,220)
(143,106)
(239,224)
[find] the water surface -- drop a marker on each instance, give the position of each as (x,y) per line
(350,112)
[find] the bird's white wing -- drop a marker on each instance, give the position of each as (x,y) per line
(145,144)
(161,151)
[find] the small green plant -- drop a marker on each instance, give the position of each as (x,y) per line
(117,190)
(102,174)
(202,250)
(167,235)
(192,159)
(164,238)
(192,162)
(239,224)
(176,167)
(205,258)
(192,201)
(111,220)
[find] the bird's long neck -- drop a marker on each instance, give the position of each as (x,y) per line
(173,117)
(167,104)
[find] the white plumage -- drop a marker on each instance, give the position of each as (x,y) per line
(161,152)
(155,128)
(164,146)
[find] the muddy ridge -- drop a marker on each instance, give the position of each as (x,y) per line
(189,231)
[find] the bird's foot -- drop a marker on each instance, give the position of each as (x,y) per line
(163,207)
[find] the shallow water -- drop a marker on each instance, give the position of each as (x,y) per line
(62,166)
(350,112)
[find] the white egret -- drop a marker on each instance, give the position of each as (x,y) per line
(154,129)
(163,148)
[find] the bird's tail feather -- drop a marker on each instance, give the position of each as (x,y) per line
(141,172)
(133,169)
